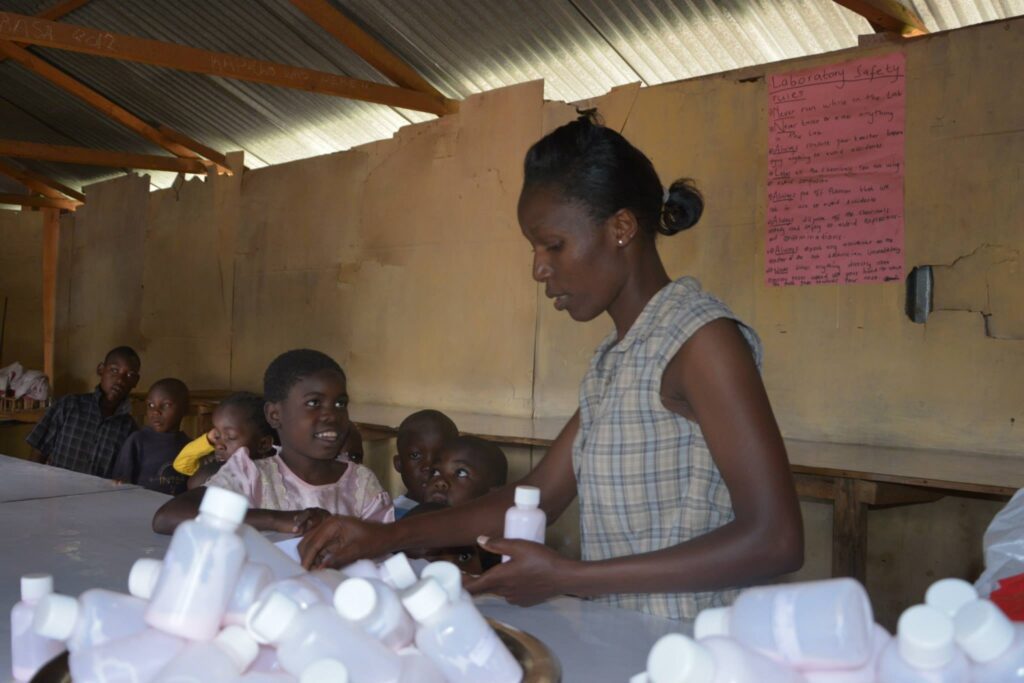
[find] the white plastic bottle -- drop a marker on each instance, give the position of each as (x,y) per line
(813,625)
(300,589)
(200,569)
(29,650)
(97,616)
(417,668)
(376,610)
(222,659)
(305,636)
(135,659)
(525,520)
(449,577)
(993,643)
(678,659)
(397,573)
(923,650)
(266,677)
(880,638)
(253,578)
(361,569)
(949,595)
(457,639)
(325,671)
(258,548)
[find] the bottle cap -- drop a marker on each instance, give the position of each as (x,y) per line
(238,645)
(425,599)
(678,659)
(324,671)
(949,595)
(55,616)
(355,599)
(528,496)
(713,621)
(925,637)
(36,586)
(268,620)
(447,575)
(223,504)
(398,571)
(143,577)
(983,631)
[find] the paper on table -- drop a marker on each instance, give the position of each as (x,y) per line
(835,173)
(290,547)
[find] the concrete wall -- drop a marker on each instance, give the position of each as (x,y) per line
(21,286)
(403,259)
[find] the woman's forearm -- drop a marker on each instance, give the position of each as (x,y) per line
(458,526)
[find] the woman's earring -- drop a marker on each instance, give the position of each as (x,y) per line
(621,243)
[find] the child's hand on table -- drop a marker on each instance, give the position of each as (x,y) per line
(534,574)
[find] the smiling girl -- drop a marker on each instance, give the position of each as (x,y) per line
(683,482)
(305,482)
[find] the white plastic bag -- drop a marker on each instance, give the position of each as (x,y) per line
(1003,545)
(33,384)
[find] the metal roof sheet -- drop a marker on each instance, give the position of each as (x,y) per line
(580,47)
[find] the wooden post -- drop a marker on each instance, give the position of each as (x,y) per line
(51,247)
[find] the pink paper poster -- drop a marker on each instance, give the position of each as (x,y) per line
(835,173)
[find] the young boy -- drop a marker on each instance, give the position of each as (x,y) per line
(467,467)
(84,432)
(147,456)
(419,438)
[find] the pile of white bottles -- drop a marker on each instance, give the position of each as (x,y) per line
(226,604)
(824,632)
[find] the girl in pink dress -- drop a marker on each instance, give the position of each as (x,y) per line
(304,482)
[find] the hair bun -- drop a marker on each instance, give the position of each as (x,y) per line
(683,207)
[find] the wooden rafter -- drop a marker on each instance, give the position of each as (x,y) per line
(56,12)
(97,157)
(216,157)
(325,15)
(19,28)
(887,15)
(65,82)
(38,202)
(38,183)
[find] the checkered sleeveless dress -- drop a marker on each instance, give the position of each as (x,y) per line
(645,476)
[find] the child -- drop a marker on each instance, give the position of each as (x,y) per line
(238,422)
(146,456)
(467,467)
(419,438)
(352,450)
(471,559)
(305,482)
(85,432)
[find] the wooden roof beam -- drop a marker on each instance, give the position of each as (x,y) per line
(888,16)
(56,12)
(38,202)
(19,28)
(346,31)
(42,68)
(37,183)
(98,157)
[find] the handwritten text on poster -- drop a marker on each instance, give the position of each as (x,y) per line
(835,173)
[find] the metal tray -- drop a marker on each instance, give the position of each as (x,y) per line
(539,664)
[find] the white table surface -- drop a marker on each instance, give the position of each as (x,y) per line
(24,480)
(90,540)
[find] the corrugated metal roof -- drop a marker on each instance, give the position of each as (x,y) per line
(580,47)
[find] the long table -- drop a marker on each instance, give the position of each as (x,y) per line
(90,538)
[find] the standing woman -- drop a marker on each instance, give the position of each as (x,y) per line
(684,484)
